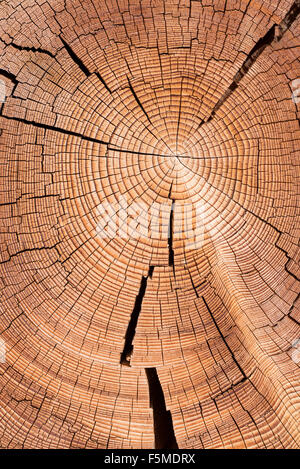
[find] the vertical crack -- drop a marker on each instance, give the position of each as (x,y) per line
(130,333)
(162,418)
(257,166)
(81,65)
(179,115)
(170,234)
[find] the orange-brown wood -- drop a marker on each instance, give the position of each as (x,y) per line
(163,105)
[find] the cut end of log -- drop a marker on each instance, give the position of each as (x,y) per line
(149,204)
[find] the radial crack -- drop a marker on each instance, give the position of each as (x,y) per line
(75,57)
(130,333)
(55,129)
(275,33)
(170,234)
(225,342)
(289,19)
(162,418)
(137,99)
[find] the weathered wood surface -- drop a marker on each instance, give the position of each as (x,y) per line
(176,102)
